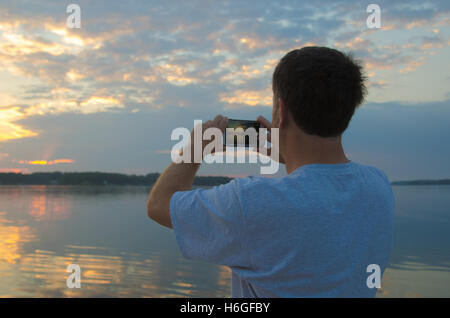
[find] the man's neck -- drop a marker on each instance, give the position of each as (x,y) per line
(305,149)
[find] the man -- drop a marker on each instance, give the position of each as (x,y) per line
(313,233)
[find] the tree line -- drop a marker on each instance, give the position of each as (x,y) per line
(95,178)
(423,182)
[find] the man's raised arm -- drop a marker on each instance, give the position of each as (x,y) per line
(177,177)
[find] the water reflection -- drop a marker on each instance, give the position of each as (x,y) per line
(12,237)
(43,206)
(121,253)
(40,202)
(44,229)
(43,274)
(420,259)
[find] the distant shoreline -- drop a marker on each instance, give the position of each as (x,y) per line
(96,178)
(422,182)
(108,178)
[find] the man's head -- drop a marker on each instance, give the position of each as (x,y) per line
(320,88)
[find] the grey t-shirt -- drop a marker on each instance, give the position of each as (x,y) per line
(312,233)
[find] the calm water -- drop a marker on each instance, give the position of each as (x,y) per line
(121,252)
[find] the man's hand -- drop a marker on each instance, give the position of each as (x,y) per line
(177,177)
(220,122)
(267,124)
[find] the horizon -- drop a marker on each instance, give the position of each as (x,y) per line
(232,176)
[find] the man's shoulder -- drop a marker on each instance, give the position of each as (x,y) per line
(304,179)
(263,189)
(251,182)
(374,171)
(378,182)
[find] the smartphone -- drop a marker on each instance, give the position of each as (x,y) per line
(241,135)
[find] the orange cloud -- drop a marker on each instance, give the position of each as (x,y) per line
(416,24)
(244,73)
(10,114)
(255,41)
(354,44)
(175,74)
(270,64)
(13,43)
(250,98)
(377,65)
(45,162)
(250,43)
(91,105)
(412,65)
(433,45)
(14,170)
(8,129)
(98,104)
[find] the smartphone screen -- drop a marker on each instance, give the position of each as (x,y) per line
(242,133)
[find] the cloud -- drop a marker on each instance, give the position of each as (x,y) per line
(13,170)
(411,66)
(45,162)
(134,53)
(8,128)
(249,98)
(166,58)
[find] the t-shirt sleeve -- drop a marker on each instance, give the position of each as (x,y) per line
(209,225)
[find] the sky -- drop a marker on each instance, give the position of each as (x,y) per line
(106,96)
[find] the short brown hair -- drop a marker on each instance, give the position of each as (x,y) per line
(321,87)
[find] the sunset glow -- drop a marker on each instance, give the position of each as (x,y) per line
(109,91)
(45,162)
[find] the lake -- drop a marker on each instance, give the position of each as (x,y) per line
(106,231)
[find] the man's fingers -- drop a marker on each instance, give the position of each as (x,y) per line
(217,119)
(219,122)
(223,124)
(267,136)
(207,124)
(262,138)
(262,150)
(264,122)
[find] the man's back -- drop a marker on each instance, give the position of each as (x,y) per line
(310,234)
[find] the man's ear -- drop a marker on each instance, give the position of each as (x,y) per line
(283,113)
